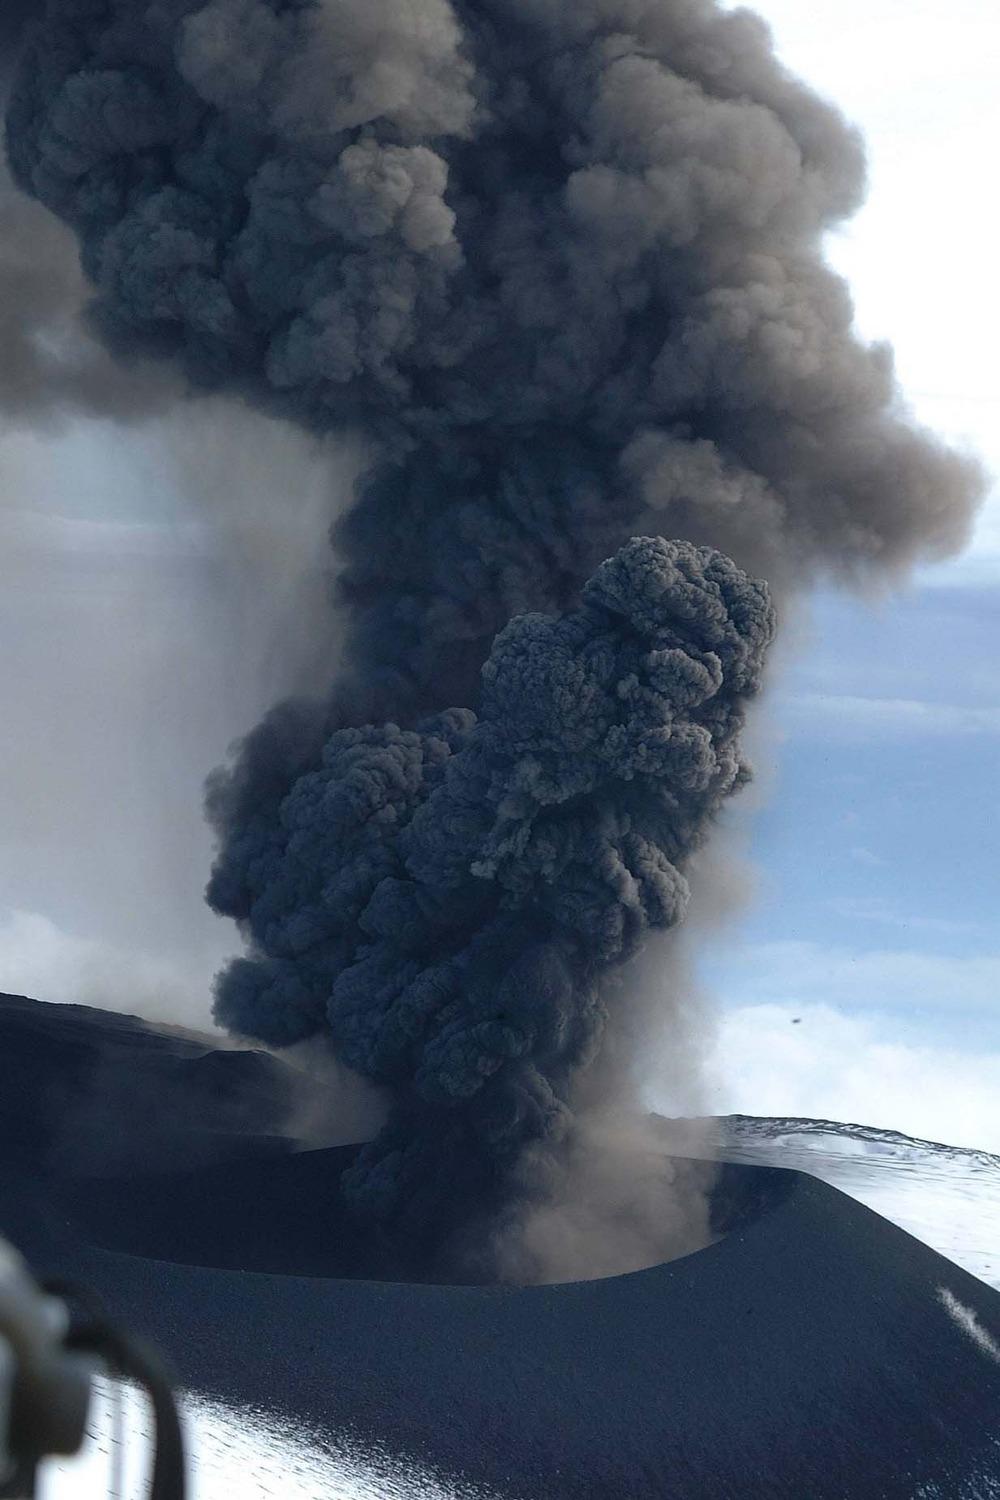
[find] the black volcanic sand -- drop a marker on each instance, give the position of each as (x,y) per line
(805,1355)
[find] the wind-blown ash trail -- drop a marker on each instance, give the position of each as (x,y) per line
(560,264)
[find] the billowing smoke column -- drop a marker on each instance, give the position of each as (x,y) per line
(49,368)
(446,899)
(559,262)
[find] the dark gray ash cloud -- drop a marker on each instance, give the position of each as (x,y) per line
(446,900)
(561,265)
(562,260)
(51,367)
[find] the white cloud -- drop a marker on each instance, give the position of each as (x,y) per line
(848,716)
(852,1068)
(885,913)
(863,856)
(969,1323)
(41,960)
(894,251)
(794,972)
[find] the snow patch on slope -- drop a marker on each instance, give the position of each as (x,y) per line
(946,1196)
(234,1455)
(969,1323)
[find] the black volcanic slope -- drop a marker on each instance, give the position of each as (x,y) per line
(90,1091)
(808,1354)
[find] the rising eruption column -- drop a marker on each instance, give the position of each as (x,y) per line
(559,266)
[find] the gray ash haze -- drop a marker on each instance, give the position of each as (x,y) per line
(557,267)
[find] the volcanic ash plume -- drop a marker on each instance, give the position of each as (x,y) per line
(48,365)
(447,899)
(559,265)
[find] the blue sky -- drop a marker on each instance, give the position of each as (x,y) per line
(880,835)
(861,978)
(875,841)
(872,920)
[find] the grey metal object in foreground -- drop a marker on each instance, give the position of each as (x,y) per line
(45,1389)
(50,1354)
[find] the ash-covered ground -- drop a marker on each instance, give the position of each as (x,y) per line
(814,1349)
(946,1196)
